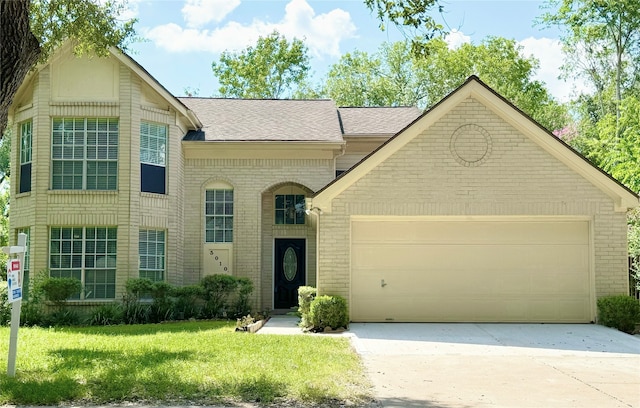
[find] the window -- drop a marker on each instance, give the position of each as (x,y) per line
(26,137)
(27,260)
(84,154)
(219,216)
(289,209)
(151,250)
(153,144)
(87,254)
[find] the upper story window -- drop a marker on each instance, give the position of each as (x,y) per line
(289,209)
(218,215)
(153,147)
(84,154)
(26,138)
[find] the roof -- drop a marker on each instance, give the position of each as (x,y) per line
(387,121)
(473,87)
(265,120)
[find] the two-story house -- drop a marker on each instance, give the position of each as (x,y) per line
(468,212)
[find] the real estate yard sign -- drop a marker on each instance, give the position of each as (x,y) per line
(14,280)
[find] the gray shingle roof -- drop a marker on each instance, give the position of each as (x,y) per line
(265,120)
(376,121)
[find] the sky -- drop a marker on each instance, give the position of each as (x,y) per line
(183,37)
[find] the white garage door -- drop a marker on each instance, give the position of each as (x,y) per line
(470,270)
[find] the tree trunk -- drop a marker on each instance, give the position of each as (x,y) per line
(19,52)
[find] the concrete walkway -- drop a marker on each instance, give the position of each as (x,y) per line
(494,365)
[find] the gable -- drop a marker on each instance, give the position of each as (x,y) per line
(84,78)
(475,133)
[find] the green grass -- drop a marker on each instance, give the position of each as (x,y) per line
(196,362)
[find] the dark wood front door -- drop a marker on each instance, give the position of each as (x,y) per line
(289,270)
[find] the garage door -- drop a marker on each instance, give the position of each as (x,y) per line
(470,270)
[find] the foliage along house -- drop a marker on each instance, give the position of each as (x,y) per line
(471,212)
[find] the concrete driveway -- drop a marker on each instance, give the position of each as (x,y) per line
(499,365)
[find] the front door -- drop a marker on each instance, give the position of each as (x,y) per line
(289,270)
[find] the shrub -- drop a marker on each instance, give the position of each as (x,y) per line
(62,317)
(58,290)
(187,301)
(328,311)
(134,312)
(32,313)
(217,289)
(621,312)
(139,288)
(106,315)
(241,305)
(162,307)
(306,294)
(5,307)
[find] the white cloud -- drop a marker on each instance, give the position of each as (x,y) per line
(322,33)
(455,39)
(549,52)
(197,13)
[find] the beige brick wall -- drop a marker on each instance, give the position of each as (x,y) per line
(517,178)
(253,182)
(127,208)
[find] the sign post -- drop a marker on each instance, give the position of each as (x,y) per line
(14,281)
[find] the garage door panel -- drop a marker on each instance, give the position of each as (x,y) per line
(456,257)
(476,232)
(496,278)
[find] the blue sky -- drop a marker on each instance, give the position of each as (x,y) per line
(185,36)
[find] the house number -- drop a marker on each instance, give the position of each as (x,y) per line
(218,263)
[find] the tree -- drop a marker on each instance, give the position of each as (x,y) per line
(396,76)
(390,77)
(602,43)
(272,68)
(412,15)
(616,144)
(31,29)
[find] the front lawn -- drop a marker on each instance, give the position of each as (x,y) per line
(202,362)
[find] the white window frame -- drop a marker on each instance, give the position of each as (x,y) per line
(153,143)
(74,246)
(218,215)
(79,147)
(152,264)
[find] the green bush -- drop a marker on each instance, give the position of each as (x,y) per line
(621,312)
(5,307)
(241,306)
(328,311)
(162,307)
(58,290)
(32,314)
(134,312)
(187,302)
(139,288)
(306,294)
(62,317)
(107,315)
(217,289)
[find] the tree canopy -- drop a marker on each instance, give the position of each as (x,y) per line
(273,68)
(601,42)
(31,29)
(414,16)
(396,76)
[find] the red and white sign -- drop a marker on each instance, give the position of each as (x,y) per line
(14,280)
